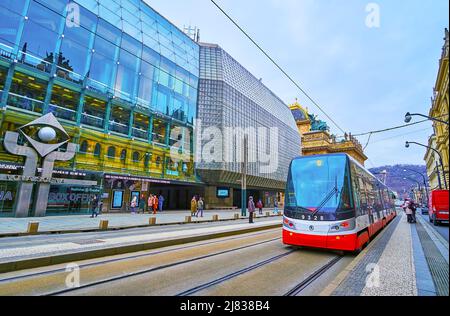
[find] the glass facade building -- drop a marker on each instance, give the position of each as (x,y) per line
(231,98)
(119,77)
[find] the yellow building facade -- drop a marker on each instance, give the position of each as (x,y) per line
(440,109)
(316,139)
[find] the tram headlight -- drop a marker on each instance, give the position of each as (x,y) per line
(343,226)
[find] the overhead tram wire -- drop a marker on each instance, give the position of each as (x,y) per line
(393,128)
(277,65)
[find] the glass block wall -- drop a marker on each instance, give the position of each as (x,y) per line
(230,96)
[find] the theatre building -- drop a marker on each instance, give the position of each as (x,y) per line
(123,83)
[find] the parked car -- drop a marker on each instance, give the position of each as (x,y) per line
(439,207)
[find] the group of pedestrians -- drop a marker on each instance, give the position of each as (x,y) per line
(197,206)
(410,208)
(259,205)
(155,203)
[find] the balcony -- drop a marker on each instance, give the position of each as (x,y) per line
(91,120)
(118,127)
(63,113)
(139,133)
(25,103)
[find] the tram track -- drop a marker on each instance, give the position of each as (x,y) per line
(154,269)
(130,257)
(234,274)
(313,277)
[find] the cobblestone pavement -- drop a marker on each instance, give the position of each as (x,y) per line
(80,222)
(400,263)
(395,267)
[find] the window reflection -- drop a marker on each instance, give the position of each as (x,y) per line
(93,112)
(159,131)
(64,102)
(27,92)
(120,119)
(140,126)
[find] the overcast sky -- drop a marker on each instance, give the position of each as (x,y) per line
(365,78)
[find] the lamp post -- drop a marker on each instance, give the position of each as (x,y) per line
(407,145)
(408,118)
(424,181)
(418,184)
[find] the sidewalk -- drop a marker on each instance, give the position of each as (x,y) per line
(78,223)
(404,260)
(26,255)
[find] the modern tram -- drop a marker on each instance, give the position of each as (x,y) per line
(333,202)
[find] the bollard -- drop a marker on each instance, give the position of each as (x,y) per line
(152,221)
(33,227)
(188,219)
(215,218)
(236,216)
(103,224)
(267,214)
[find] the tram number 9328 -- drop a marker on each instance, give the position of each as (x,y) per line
(311,218)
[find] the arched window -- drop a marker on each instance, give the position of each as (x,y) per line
(123,155)
(84,147)
(97,150)
(147,160)
(136,156)
(111,152)
(158,161)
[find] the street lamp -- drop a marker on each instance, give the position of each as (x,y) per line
(418,184)
(424,181)
(407,145)
(408,118)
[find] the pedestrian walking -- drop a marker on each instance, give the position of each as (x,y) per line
(259,205)
(94,206)
(133,205)
(200,207)
(193,206)
(251,209)
(408,208)
(155,204)
(161,202)
(150,203)
(142,204)
(275,207)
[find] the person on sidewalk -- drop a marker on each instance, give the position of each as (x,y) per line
(193,206)
(407,206)
(275,207)
(155,204)
(259,205)
(133,205)
(251,209)
(94,206)
(160,202)
(142,204)
(200,207)
(150,203)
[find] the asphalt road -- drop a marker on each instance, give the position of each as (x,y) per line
(254,264)
(442,229)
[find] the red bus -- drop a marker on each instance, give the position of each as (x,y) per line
(438,208)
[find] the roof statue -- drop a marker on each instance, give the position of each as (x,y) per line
(318,125)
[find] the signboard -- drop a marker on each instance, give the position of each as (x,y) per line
(223,193)
(117,200)
(136,194)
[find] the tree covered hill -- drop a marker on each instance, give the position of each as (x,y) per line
(396,175)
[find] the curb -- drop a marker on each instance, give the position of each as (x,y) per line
(328,291)
(39,262)
(115,228)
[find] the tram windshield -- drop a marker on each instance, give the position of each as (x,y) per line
(319,185)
